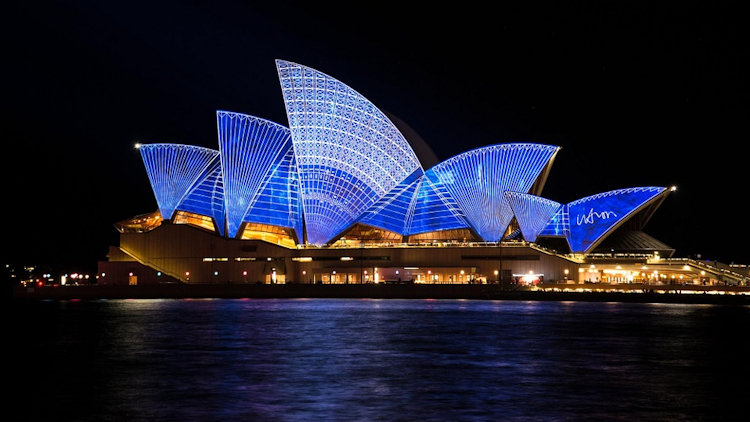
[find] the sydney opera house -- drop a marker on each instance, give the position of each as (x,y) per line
(348,194)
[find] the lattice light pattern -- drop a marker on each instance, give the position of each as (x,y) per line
(558,225)
(477,179)
(348,152)
(172,170)
(207,197)
(434,209)
(342,161)
(532,212)
(392,210)
(278,202)
(250,148)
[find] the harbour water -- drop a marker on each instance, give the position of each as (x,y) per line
(365,360)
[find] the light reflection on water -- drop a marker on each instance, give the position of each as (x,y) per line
(367,360)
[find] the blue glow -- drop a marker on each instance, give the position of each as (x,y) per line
(172,170)
(593,217)
(434,209)
(558,225)
(207,197)
(250,149)
(342,161)
(278,202)
(477,179)
(532,212)
(348,153)
(392,210)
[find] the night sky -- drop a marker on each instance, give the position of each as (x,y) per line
(635,94)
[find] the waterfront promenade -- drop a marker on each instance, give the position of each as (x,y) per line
(546,292)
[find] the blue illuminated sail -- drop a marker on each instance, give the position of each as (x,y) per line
(434,209)
(477,179)
(279,203)
(342,163)
(595,216)
(172,170)
(558,225)
(532,212)
(250,148)
(348,153)
(392,210)
(207,196)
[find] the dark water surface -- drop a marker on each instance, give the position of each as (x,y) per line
(363,360)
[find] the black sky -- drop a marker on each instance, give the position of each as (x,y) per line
(636,94)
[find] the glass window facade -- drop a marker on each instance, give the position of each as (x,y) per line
(196,220)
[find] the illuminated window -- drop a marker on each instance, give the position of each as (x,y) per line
(455,235)
(140,223)
(364,234)
(196,220)
(272,234)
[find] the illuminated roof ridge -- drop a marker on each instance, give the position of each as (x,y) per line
(516,145)
(348,152)
(173,169)
(249,148)
(600,195)
(532,212)
(477,179)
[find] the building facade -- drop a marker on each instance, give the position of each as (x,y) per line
(339,196)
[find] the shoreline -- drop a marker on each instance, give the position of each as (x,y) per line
(660,294)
